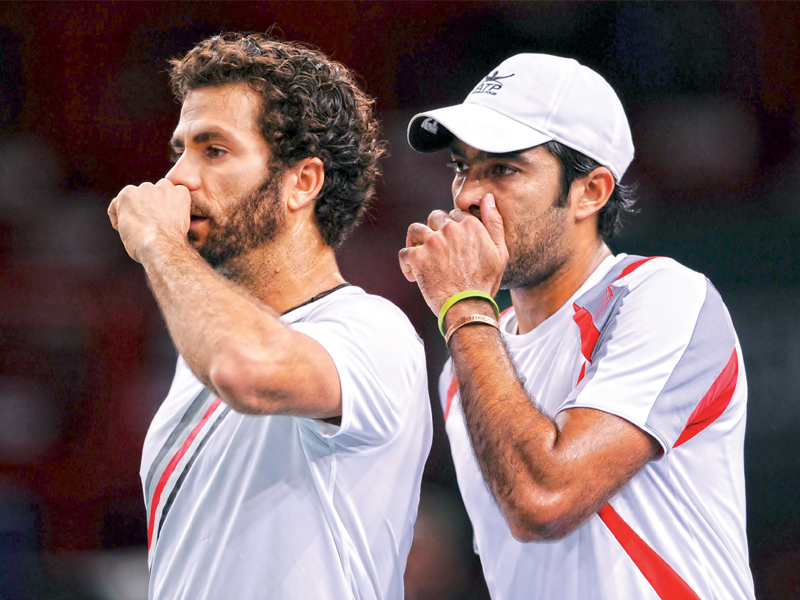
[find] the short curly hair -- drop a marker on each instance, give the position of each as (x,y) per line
(311,106)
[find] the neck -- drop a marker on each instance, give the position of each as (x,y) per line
(536,304)
(287,272)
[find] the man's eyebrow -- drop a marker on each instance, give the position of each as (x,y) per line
(200,138)
(515,155)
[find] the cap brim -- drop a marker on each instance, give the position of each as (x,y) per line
(475,125)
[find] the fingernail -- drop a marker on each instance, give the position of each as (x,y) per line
(490,200)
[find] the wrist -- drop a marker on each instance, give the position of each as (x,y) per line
(463,296)
(464,308)
(154,246)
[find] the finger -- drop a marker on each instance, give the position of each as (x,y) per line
(405,266)
(112,213)
(436,219)
(164,182)
(458,215)
(417,234)
(491,219)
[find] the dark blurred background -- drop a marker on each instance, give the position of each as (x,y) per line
(711,90)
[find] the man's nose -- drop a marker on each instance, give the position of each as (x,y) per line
(469,194)
(183,173)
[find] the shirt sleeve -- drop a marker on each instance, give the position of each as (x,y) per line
(664,341)
(381,365)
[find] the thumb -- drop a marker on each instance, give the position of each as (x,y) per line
(491,219)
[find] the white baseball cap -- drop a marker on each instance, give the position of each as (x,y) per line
(528,100)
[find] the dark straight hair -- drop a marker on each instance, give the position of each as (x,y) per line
(574,165)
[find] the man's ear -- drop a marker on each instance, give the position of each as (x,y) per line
(303,183)
(594,191)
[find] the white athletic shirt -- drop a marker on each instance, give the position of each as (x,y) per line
(650,341)
(276,507)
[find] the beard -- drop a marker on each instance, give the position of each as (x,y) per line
(255,221)
(536,249)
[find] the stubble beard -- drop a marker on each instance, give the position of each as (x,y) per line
(536,250)
(254,222)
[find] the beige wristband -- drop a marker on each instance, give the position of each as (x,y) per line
(471,319)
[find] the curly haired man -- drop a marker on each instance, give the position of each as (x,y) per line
(286,460)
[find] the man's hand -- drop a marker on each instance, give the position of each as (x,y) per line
(456,252)
(142,214)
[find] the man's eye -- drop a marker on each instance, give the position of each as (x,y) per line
(214,152)
(503,170)
(174,156)
(458,166)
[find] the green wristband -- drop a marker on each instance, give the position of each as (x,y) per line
(463,296)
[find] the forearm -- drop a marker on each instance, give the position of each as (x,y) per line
(514,442)
(535,472)
(212,322)
(547,476)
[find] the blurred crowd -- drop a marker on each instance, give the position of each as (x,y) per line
(712,94)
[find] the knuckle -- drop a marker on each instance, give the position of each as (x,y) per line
(474,225)
(449,227)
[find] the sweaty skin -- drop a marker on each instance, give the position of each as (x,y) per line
(547,476)
(226,327)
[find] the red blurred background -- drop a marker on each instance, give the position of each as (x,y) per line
(711,91)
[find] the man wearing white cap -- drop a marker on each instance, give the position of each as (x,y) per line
(597,426)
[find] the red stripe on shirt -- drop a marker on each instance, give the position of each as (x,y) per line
(451,392)
(582,374)
(635,265)
(665,581)
(589,333)
(162,482)
(714,403)
(585,321)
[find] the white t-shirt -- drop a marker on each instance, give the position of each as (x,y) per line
(262,507)
(650,341)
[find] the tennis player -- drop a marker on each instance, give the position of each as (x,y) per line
(286,460)
(597,426)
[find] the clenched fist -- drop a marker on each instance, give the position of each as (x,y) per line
(148,212)
(456,252)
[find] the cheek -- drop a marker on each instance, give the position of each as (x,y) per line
(227,192)
(529,216)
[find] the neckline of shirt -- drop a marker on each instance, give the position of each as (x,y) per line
(303,310)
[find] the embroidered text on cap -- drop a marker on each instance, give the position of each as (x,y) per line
(490,84)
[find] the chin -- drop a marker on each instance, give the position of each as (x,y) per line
(527,275)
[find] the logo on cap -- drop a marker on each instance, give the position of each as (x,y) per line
(430,126)
(490,84)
